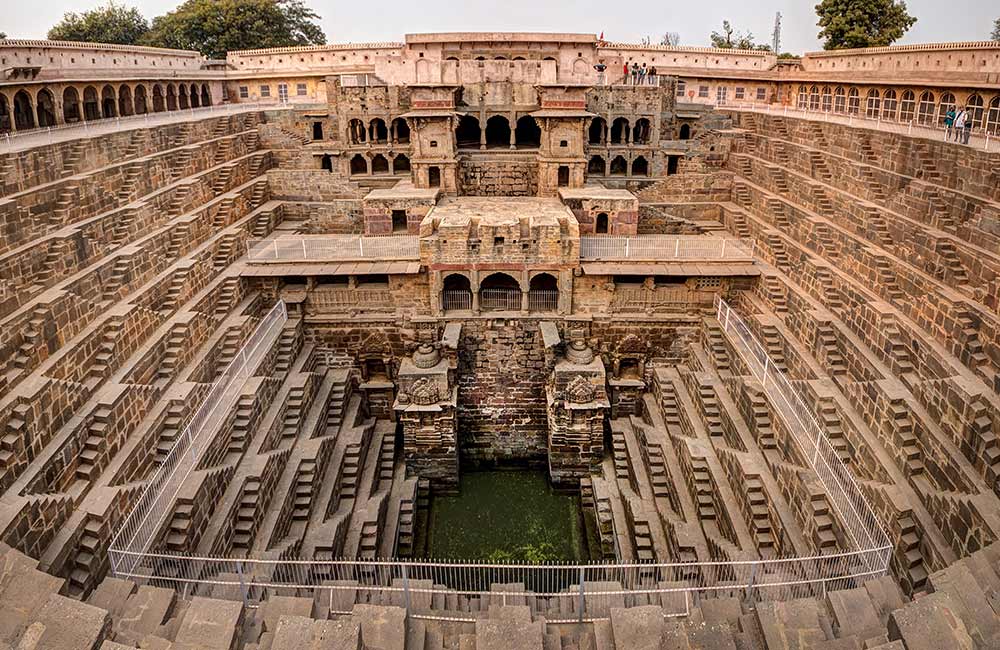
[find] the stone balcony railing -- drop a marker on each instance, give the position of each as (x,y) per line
(333,248)
(666,248)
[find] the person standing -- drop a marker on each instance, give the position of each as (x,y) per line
(652,75)
(949,123)
(625,74)
(642,74)
(960,124)
(967,127)
(635,73)
(600,68)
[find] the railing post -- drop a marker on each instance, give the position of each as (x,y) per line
(723,248)
(750,583)
(677,247)
(406,589)
(767,359)
(581,600)
(305,255)
(243,587)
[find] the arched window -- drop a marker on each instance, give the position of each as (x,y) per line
(874,103)
(814,98)
(6,124)
(803,98)
(141,107)
(24,114)
(993,117)
(925,109)
(619,167)
(195,101)
(889,105)
(182,97)
(499,292)
(597,166)
(434,176)
(400,131)
(356,131)
(171,98)
(71,104)
(543,293)
(907,106)
(839,100)
(497,132)
(601,224)
(401,164)
(527,134)
(619,131)
(158,103)
(685,132)
(109,102)
(125,107)
(456,293)
(974,104)
(206,95)
(827,100)
(641,131)
(45,108)
(597,133)
(467,132)
(91,105)
(853,101)
(358,164)
(640,167)
(377,131)
(380,164)
(947,103)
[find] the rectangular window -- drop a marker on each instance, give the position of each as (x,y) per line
(761,94)
(739,92)
(265,91)
(681,88)
(703,91)
(244,92)
(300,90)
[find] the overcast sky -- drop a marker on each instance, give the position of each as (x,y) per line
(345,21)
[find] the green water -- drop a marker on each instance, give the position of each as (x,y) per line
(506,516)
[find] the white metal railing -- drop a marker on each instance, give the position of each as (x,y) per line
(857,517)
(326,248)
(142,523)
(15,141)
(500,299)
(665,247)
(981,138)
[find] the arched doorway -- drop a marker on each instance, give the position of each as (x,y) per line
(193,96)
(641,131)
(109,102)
(91,104)
(597,166)
(598,132)
(467,132)
(359,165)
(24,114)
(543,293)
(619,131)
(380,164)
(601,224)
(182,97)
(685,132)
(71,105)
(562,176)
(317,130)
(171,98)
(141,107)
(456,293)
(434,176)
(125,106)
(619,167)
(401,164)
(527,134)
(497,132)
(158,104)
(378,131)
(400,131)
(640,167)
(499,292)
(357,132)
(45,108)
(206,95)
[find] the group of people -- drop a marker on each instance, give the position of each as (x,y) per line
(959,124)
(636,75)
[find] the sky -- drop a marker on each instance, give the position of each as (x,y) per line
(389,20)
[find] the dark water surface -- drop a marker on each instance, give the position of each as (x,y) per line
(506,516)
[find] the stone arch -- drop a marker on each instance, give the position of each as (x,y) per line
(641,131)
(527,133)
(356,131)
(598,132)
(945,104)
(141,105)
(125,106)
(500,292)
(619,166)
(193,96)
(378,132)
(359,165)
(597,166)
(467,133)
(71,105)
(685,132)
(6,123)
(171,98)
(925,108)
(543,292)
(456,292)
(974,104)
(907,106)
(853,101)
(619,131)
(497,131)
(839,100)
(380,164)
(109,102)
(873,103)
(401,164)
(423,69)
(993,116)
(206,95)
(182,97)
(45,108)
(601,224)
(158,103)
(889,105)
(640,166)
(24,113)
(400,131)
(91,104)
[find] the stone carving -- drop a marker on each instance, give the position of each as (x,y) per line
(424,392)
(580,391)
(426,356)
(579,352)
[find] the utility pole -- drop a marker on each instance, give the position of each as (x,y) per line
(776,36)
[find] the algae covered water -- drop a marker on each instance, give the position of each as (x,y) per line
(506,516)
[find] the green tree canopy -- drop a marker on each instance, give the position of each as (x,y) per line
(215,27)
(862,23)
(110,24)
(730,39)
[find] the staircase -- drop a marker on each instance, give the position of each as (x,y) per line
(905,440)
(73,157)
(779,179)
(123,226)
(258,194)
(225,253)
(876,192)
(350,471)
(780,153)
(182,136)
(775,348)
(867,152)
(740,227)
(817,135)
(742,194)
(824,237)
(940,213)
(221,179)
(291,419)
(763,427)
(227,297)
(819,167)
(179,164)
(179,236)
(304,487)
(716,344)
(620,455)
(887,279)
(759,516)
(101,367)
(387,460)
(779,217)
(65,201)
(827,340)
(831,296)
(779,126)
(176,344)
(744,166)
(120,273)
(878,227)
(824,538)
(709,407)
(224,213)
(821,201)
(951,266)
(136,144)
(177,201)
(925,161)
(169,432)
(246,516)
(89,463)
(775,292)
(830,421)
(126,190)
(704,499)
(897,349)
(909,548)
(241,432)
(87,562)
(287,349)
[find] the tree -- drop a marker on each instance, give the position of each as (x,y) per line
(862,23)
(3,35)
(996,30)
(215,27)
(670,38)
(729,39)
(111,24)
